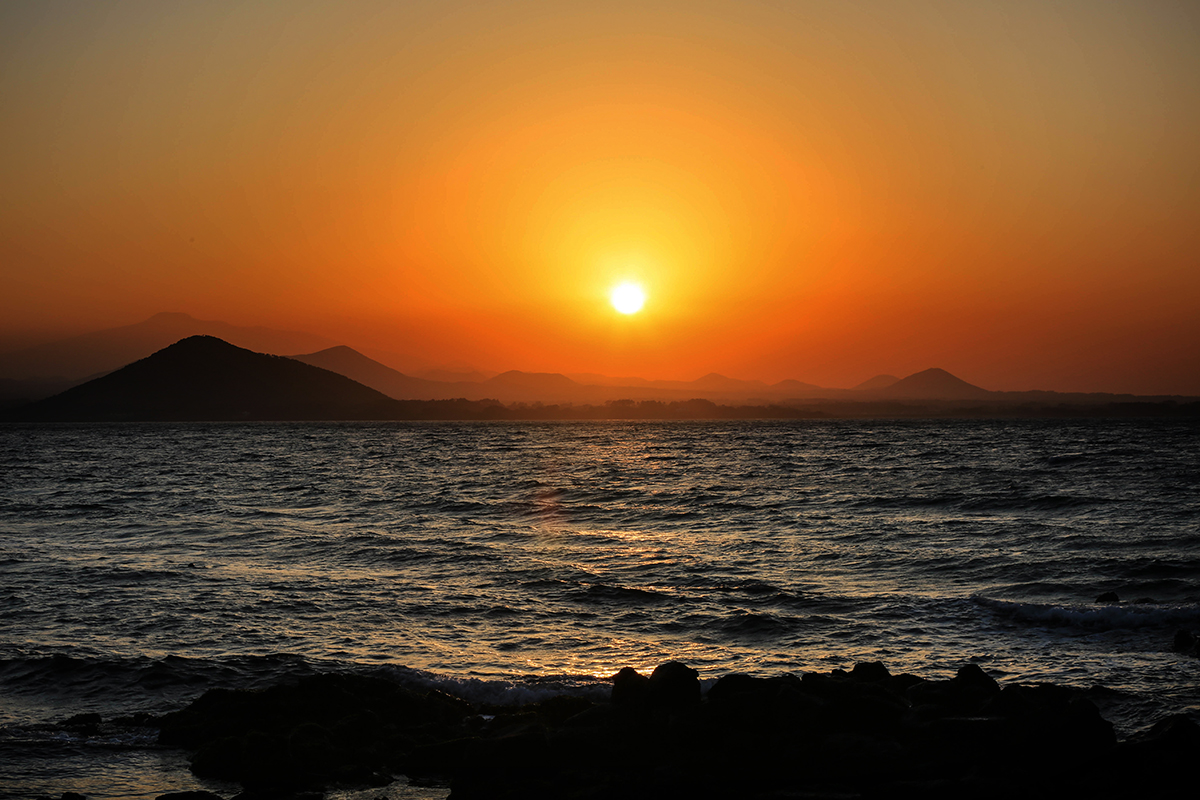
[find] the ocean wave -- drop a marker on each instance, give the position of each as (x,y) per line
(753,624)
(1066,459)
(1095,616)
(135,684)
(980,501)
(502,691)
(606,593)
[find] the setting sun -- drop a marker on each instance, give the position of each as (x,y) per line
(628,298)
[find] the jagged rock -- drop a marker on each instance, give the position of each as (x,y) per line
(973,678)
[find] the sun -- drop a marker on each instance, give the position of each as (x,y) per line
(628,298)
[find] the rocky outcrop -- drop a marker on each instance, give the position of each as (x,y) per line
(858,733)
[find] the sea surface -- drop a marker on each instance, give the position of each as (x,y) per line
(143,564)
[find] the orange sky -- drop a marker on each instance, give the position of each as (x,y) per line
(814,190)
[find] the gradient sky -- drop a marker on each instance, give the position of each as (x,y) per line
(814,190)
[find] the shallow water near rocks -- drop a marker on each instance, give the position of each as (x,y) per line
(143,564)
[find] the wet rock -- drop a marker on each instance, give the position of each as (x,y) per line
(900,683)
(967,693)
(863,732)
(870,671)
(1186,642)
(1176,732)
(1108,597)
(323,729)
(631,689)
(83,721)
(1156,762)
(674,686)
(972,676)
(83,724)
(734,685)
(761,706)
(557,710)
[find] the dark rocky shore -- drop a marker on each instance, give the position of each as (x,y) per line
(863,733)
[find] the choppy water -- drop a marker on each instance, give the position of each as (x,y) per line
(141,564)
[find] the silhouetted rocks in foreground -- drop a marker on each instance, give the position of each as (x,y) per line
(862,733)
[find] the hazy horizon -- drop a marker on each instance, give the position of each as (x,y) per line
(135,341)
(816,191)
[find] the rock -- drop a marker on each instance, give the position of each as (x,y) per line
(674,686)
(631,689)
(83,724)
(189,795)
(760,706)
(304,736)
(857,733)
(1108,597)
(871,671)
(83,721)
(560,708)
(1185,642)
(1176,732)
(973,678)
(1156,762)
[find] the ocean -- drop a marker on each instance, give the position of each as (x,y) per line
(143,564)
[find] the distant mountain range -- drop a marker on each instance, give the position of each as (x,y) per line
(206,378)
(515,386)
(49,369)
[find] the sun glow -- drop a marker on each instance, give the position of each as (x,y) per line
(628,298)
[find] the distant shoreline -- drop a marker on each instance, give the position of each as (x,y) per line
(483,410)
(204,378)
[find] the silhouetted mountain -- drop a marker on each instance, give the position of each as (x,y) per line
(932,384)
(595,379)
(714,382)
(354,365)
(15,393)
(878,382)
(533,381)
(452,375)
(90,354)
(205,378)
(794,388)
